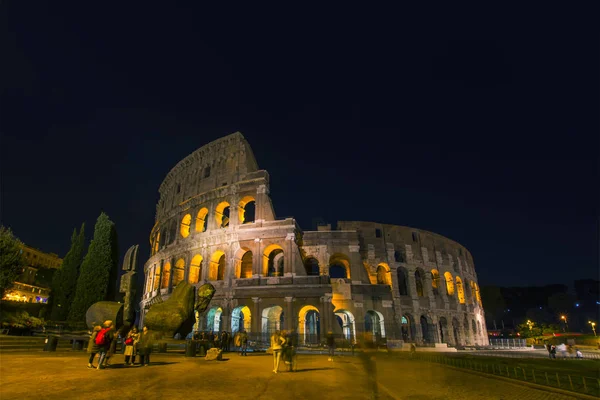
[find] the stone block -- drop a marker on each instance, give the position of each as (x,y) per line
(214,354)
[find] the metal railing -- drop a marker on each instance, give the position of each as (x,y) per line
(508,343)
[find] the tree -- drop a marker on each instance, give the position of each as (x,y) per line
(11,259)
(99,264)
(64,283)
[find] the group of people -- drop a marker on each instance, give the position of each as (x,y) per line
(563,349)
(103,342)
(284,345)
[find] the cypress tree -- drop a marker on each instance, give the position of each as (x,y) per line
(64,282)
(96,269)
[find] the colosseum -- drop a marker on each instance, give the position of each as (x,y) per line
(215,222)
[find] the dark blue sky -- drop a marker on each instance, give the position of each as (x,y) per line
(484,130)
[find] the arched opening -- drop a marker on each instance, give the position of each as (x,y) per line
(273,261)
(201,220)
(398,256)
(222,214)
(407,328)
(156,278)
(166,276)
(246,210)
(443,328)
(383,274)
(456,331)
(272,320)
(217,266)
(185,225)
(479,328)
(425,330)
(419,282)
(459,290)
(347,323)
(213,319)
(402,284)
(339,266)
(246,265)
(374,325)
(435,281)
(477,294)
(309,324)
(241,319)
(468,286)
(195,269)
(466,330)
(178,272)
(449,284)
(311,265)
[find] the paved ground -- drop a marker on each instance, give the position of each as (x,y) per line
(63,375)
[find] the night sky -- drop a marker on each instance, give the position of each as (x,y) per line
(484,130)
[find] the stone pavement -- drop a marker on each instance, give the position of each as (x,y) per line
(63,375)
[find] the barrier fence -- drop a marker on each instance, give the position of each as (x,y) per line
(508,343)
(572,382)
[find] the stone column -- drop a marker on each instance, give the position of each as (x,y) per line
(256,317)
(171,273)
(288,255)
(257,257)
(160,276)
(262,193)
(205,263)
(289,314)
(226,315)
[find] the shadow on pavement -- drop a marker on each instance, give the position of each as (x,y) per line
(152,364)
(312,369)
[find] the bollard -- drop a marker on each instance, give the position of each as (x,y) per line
(77,344)
(190,348)
(162,347)
(202,352)
(50,343)
(557,379)
(533,373)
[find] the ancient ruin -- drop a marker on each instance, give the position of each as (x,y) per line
(215,223)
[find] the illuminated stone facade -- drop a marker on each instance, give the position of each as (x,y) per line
(33,285)
(215,223)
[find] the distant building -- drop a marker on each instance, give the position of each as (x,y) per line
(33,285)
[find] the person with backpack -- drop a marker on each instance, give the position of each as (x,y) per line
(104,340)
(133,337)
(92,347)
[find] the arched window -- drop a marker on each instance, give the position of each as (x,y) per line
(337,271)
(166,276)
(222,214)
(435,281)
(312,266)
(419,283)
(217,266)
(185,225)
(195,269)
(398,256)
(459,289)
(246,210)
(383,275)
(402,284)
(246,268)
(178,272)
(449,284)
(201,220)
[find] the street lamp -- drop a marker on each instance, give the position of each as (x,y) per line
(564,318)
(593,324)
(529,324)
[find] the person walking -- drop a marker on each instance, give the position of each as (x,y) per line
(330,345)
(145,346)
(104,340)
(92,347)
(244,343)
(277,342)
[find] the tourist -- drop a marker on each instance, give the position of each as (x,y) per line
(224,341)
(93,348)
(553,351)
(549,349)
(367,357)
(145,346)
(104,340)
(244,343)
(289,350)
(276,342)
(578,353)
(133,337)
(330,345)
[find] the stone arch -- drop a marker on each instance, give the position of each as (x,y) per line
(468,286)
(443,329)
(272,320)
(456,331)
(216,270)
(383,274)
(419,282)
(241,318)
(348,324)
(435,281)
(184,228)
(222,214)
(195,269)
(201,220)
(449,284)
(426,329)
(178,272)
(474,328)
(339,264)
(247,210)
(157,278)
(214,318)
(459,290)
(166,275)
(374,325)
(477,294)
(273,260)
(309,324)
(402,281)
(466,330)
(407,328)
(479,328)
(311,265)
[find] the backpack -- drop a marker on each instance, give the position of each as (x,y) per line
(101,337)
